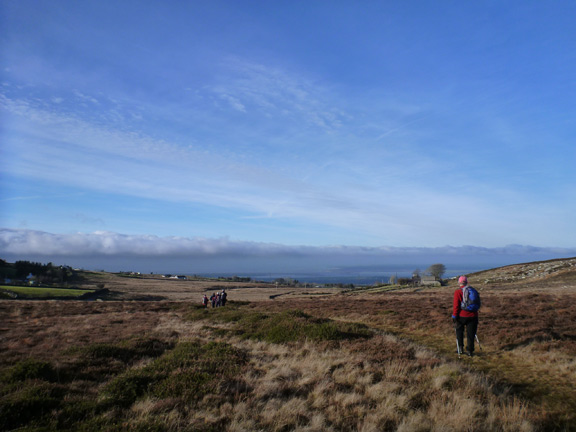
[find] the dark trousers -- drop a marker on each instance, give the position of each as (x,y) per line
(471,325)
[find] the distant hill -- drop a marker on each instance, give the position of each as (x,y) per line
(552,272)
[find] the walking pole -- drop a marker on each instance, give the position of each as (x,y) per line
(457,343)
(478,340)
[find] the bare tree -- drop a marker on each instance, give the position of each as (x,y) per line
(437,270)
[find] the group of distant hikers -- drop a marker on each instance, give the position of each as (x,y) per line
(217,299)
(466,304)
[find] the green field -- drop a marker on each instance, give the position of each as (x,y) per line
(38,292)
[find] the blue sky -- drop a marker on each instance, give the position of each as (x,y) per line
(286,124)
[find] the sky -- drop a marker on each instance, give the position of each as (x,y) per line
(232,135)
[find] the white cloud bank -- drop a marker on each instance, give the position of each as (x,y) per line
(115,251)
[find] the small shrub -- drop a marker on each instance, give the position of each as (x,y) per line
(229,315)
(30,369)
(5,296)
(31,402)
(74,412)
(190,371)
(150,347)
(104,351)
(292,326)
(200,369)
(126,351)
(127,388)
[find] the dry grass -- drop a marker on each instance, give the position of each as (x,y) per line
(130,365)
(380,383)
(528,337)
(320,388)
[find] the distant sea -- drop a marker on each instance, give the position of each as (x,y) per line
(356,277)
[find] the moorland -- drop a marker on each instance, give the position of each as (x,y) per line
(148,357)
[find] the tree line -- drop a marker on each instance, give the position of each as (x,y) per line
(42,273)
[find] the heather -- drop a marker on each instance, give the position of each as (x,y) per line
(361,360)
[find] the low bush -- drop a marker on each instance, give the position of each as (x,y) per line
(74,412)
(283,327)
(190,371)
(30,369)
(126,388)
(125,351)
(292,326)
(30,402)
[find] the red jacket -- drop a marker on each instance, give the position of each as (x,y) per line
(457,311)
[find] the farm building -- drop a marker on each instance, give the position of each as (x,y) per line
(429,281)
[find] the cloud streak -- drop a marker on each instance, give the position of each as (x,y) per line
(101,158)
(392,203)
(272,92)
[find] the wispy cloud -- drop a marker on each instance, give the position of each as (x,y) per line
(272,92)
(40,197)
(233,101)
(99,157)
(386,199)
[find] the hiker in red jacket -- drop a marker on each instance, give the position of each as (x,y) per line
(463,318)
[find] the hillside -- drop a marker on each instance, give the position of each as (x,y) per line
(538,274)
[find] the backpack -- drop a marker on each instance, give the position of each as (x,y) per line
(470,299)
